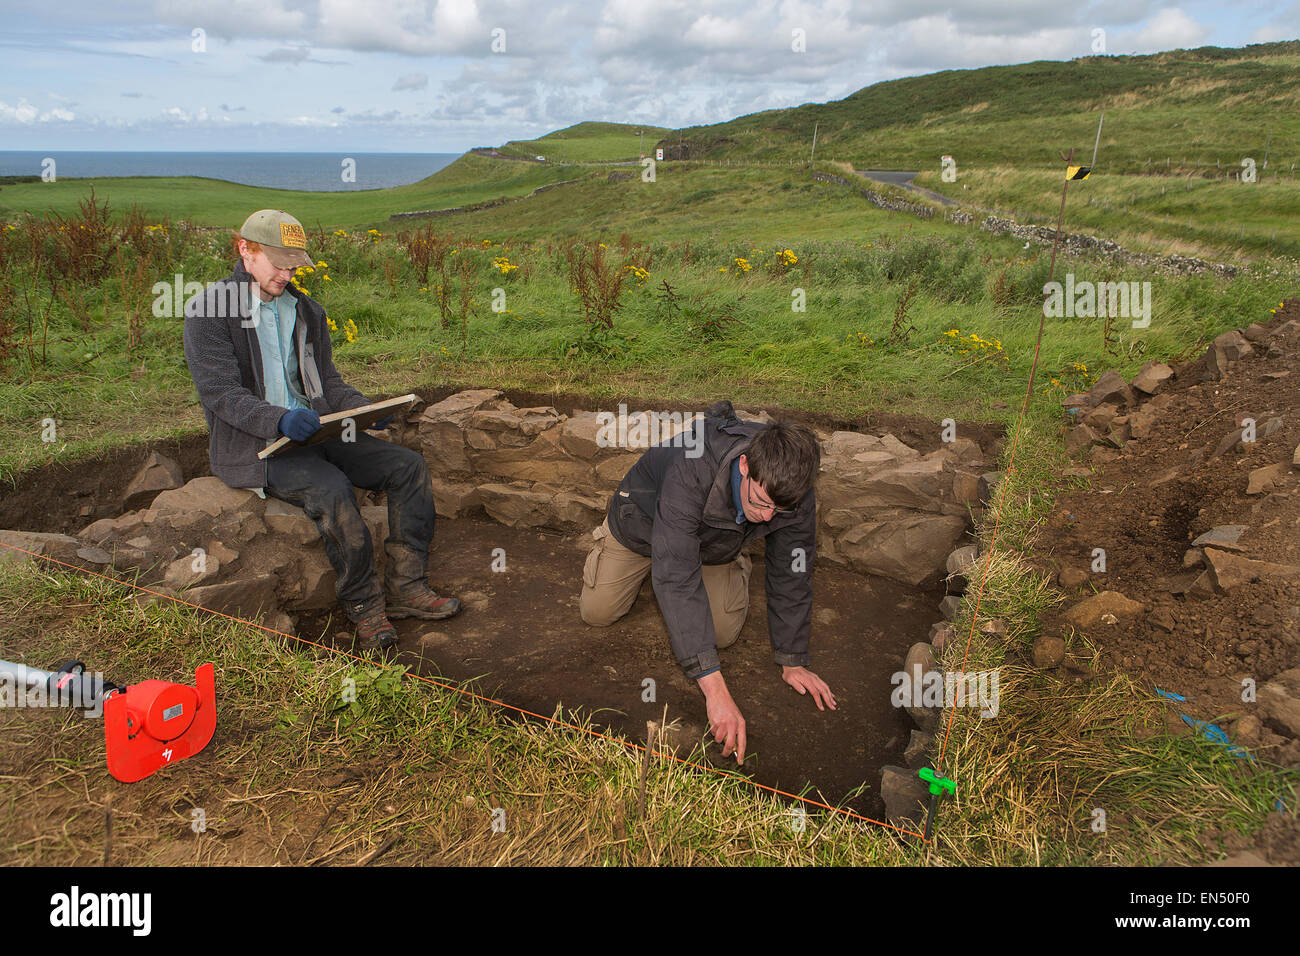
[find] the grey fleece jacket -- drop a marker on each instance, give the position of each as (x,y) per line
(679,512)
(225,362)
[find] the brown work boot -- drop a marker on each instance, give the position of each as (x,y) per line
(422,603)
(375,632)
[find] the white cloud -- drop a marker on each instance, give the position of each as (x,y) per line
(1285,26)
(936,43)
(26,114)
(412,81)
(1169,29)
(184,116)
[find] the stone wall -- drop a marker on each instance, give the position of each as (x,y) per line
(883,507)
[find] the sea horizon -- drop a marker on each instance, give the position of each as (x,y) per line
(275,169)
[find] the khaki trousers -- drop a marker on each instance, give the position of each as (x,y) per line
(612,577)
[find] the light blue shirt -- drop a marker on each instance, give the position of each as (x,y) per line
(275,334)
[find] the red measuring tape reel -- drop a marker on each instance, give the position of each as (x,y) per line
(156,722)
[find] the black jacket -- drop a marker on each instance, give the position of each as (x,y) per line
(679,511)
(225,361)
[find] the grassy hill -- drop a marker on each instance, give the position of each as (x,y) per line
(209,202)
(1187,105)
(589,143)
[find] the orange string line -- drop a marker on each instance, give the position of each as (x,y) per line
(468,693)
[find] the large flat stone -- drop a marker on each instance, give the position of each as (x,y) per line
(1232,570)
(242,597)
(210,495)
(31,546)
(158,473)
(912,548)
(1088,612)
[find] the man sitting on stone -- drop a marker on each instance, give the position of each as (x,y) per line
(260,355)
(682,514)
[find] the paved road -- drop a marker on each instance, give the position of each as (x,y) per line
(904,179)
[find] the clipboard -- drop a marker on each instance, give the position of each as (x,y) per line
(332,425)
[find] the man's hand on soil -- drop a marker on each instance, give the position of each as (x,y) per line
(806,682)
(724,716)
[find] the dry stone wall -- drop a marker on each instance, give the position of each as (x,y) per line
(883,507)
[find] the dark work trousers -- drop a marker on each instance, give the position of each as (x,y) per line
(319,479)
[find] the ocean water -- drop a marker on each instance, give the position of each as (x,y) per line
(317,172)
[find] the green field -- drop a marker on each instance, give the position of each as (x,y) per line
(1220,219)
(1187,106)
(209,202)
(589,143)
(878,291)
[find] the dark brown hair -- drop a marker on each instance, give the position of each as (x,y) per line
(784,459)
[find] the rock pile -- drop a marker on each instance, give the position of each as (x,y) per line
(219,548)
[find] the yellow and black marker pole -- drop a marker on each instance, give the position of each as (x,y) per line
(1072,172)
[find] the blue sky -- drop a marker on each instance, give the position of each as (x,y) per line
(423,75)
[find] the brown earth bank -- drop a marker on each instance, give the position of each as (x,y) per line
(63,497)
(1215,619)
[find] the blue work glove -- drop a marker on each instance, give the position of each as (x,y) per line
(380,426)
(299,424)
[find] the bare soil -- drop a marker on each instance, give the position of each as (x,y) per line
(521,633)
(1146,528)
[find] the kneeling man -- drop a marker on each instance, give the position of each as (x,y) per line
(682,515)
(260,354)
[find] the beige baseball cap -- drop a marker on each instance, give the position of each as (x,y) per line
(280,235)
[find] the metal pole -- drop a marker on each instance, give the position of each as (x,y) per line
(68,686)
(1051,271)
(813,154)
(1098,142)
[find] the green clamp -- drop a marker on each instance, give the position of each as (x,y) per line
(937,784)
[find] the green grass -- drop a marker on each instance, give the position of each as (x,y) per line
(703,204)
(855,265)
(1222,219)
(212,202)
(1192,105)
(590,143)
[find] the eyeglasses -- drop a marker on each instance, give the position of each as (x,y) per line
(768,505)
